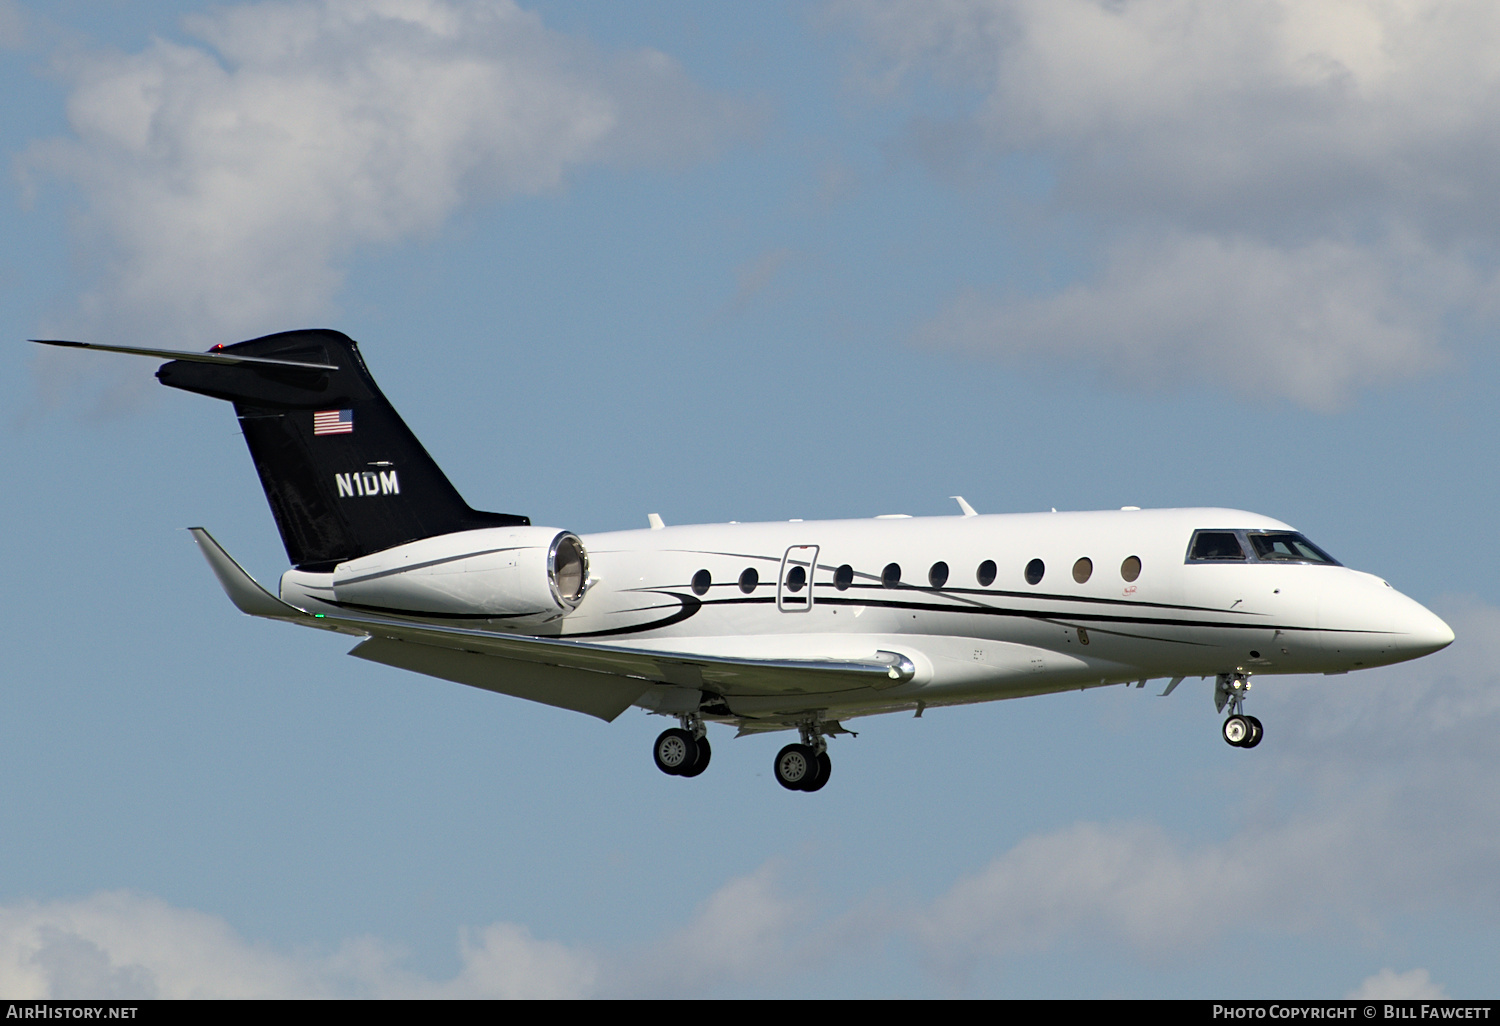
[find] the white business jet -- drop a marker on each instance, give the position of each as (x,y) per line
(782,626)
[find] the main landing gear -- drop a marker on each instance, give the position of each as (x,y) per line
(1239,730)
(683,751)
(805,766)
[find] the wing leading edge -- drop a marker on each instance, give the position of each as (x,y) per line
(601,680)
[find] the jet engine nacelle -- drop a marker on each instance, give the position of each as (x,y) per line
(509,572)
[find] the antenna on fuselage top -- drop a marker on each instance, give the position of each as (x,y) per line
(964,505)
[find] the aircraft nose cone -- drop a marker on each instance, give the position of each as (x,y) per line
(1369,623)
(1424,631)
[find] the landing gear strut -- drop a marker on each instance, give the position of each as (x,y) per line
(805,766)
(1239,730)
(683,751)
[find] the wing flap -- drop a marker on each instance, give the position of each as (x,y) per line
(597,694)
(723,674)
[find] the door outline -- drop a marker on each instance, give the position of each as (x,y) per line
(788,598)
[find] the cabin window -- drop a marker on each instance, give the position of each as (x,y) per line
(938,575)
(1131,568)
(1034,571)
(796,578)
(891,575)
(701,581)
(1216,546)
(1083,569)
(1287,547)
(985,575)
(749,579)
(843,577)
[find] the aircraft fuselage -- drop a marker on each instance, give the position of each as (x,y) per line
(1117,599)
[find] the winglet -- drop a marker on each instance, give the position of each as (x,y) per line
(242,589)
(964,505)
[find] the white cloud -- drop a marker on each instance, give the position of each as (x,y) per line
(503,960)
(1345,861)
(748,929)
(1333,153)
(225,182)
(1130,886)
(1130,881)
(1390,985)
(1222,113)
(123,945)
(1311,323)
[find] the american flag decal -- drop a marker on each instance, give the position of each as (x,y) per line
(333,422)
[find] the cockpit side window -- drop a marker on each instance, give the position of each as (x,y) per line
(1287,547)
(1217,546)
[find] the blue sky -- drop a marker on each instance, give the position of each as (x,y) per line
(750,262)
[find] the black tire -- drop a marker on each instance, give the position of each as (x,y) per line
(825,769)
(1256,733)
(795,765)
(701,763)
(675,749)
(1237,731)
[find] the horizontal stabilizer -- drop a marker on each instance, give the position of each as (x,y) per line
(212,356)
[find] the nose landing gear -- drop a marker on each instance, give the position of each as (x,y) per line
(1243,731)
(1239,730)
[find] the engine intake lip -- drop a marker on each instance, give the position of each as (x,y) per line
(568,569)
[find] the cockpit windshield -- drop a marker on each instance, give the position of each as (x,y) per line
(1287,547)
(1217,546)
(1224,546)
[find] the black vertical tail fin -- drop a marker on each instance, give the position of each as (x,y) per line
(343,473)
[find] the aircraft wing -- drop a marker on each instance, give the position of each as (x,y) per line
(602,680)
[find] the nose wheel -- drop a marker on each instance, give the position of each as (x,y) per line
(1239,730)
(1243,731)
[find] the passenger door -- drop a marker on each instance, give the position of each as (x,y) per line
(794,583)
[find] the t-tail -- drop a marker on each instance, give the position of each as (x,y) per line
(342,472)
